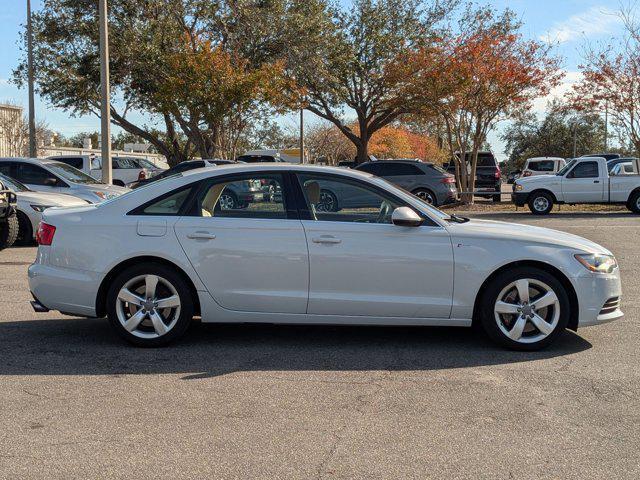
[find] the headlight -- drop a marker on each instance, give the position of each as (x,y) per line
(40,208)
(597,263)
(517,187)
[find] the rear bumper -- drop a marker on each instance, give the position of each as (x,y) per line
(69,291)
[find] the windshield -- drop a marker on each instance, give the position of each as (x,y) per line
(566,168)
(12,184)
(146,163)
(69,173)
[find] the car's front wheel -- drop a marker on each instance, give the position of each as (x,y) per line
(525,308)
(540,203)
(634,203)
(149,305)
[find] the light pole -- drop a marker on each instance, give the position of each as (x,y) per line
(105,102)
(33,153)
(302,135)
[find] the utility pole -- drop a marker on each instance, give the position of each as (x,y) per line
(606,126)
(33,152)
(302,135)
(105,102)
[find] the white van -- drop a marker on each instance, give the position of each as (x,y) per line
(543,166)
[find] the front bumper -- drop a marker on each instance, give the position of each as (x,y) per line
(519,198)
(598,297)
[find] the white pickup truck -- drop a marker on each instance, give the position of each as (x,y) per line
(582,180)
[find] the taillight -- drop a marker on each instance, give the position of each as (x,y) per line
(449,179)
(526,174)
(45,233)
(498,174)
(142,175)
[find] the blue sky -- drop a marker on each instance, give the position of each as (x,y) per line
(571,23)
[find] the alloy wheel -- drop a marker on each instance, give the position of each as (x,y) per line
(148,306)
(541,204)
(227,202)
(527,310)
(426,196)
(327,203)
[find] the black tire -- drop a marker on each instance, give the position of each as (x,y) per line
(165,273)
(426,195)
(498,197)
(25,230)
(8,231)
(328,202)
(495,289)
(540,203)
(634,202)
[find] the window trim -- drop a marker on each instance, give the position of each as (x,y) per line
(305,214)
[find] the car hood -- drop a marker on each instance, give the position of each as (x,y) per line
(101,187)
(526,234)
(50,199)
(534,180)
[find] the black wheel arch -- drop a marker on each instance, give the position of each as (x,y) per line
(632,193)
(101,298)
(562,278)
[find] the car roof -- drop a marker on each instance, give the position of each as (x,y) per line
(37,161)
(271,167)
(537,159)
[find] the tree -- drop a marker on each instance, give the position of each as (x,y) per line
(352,64)
(552,136)
(484,73)
(611,81)
(154,45)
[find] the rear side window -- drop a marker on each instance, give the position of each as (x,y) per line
(543,166)
(73,161)
(170,204)
(392,169)
(372,168)
(585,170)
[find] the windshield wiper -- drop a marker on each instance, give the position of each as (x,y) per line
(455,218)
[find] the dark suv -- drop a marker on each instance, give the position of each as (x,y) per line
(425,180)
(488,175)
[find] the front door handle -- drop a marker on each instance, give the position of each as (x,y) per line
(596,181)
(326,239)
(201,236)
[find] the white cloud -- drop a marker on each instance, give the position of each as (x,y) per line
(570,78)
(590,23)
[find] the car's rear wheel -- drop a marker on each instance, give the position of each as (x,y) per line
(228,201)
(149,305)
(8,231)
(328,202)
(540,203)
(25,230)
(634,202)
(426,195)
(525,308)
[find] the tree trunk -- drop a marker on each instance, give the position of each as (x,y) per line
(362,148)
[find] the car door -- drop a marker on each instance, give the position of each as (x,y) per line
(584,183)
(39,179)
(253,256)
(360,264)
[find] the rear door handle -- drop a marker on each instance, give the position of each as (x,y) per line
(596,181)
(326,239)
(201,236)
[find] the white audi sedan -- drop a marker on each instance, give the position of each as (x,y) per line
(154,258)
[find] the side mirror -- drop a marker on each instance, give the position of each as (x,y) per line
(50,182)
(406,217)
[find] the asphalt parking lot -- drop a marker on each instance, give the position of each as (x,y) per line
(321,402)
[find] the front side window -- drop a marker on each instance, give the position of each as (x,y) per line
(585,170)
(333,199)
(254,195)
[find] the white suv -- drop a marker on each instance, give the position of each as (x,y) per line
(543,166)
(125,170)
